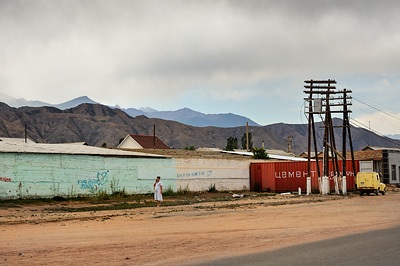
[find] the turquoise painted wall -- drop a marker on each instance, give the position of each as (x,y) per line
(49,175)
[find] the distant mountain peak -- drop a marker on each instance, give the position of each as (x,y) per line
(184,115)
(83,98)
(75,102)
(147,109)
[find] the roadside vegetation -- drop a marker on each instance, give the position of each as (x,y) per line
(102,201)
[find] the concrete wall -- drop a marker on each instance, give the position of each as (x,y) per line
(200,174)
(48,175)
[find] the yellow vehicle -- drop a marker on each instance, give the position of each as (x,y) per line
(369,182)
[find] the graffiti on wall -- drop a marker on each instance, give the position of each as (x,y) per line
(5,179)
(91,183)
(207,173)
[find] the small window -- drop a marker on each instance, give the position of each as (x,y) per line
(393,172)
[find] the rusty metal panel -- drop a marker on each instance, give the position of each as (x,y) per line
(289,176)
(258,177)
(349,175)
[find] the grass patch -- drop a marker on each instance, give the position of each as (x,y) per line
(183,191)
(23,201)
(212,188)
(169,191)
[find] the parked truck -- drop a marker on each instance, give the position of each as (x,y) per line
(369,182)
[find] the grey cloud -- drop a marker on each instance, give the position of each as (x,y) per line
(163,48)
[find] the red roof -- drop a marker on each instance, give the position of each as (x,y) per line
(147,142)
(365,155)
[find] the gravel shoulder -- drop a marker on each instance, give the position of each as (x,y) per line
(46,234)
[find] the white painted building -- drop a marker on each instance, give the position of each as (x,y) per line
(142,142)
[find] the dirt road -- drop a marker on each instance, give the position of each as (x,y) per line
(182,234)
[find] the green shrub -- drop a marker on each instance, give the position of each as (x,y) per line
(260,153)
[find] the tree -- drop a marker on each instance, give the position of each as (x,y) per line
(260,153)
(232,144)
(191,148)
(244,141)
(104,145)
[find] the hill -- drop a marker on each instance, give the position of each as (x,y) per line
(184,115)
(194,118)
(97,124)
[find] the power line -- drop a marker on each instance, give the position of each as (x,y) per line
(374,131)
(379,118)
(376,108)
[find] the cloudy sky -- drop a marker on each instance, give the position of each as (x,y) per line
(246,57)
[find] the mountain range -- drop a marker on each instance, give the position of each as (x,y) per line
(394,136)
(97,124)
(185,115)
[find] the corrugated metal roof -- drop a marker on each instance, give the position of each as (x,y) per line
(147,142)
(15,147)
(365,155)
(271,156)
(16,140)
(380,148)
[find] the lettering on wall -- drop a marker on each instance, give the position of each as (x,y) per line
(5,179)
(207,173)
(304,174)
(91,183)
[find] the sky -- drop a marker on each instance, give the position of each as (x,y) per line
(245,57)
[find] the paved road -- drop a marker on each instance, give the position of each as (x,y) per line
(381,247)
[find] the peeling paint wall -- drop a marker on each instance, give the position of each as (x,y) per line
(200,174)
(49,175)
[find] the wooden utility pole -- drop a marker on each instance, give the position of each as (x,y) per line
(26,135)
(289,150)
(154,136)
(247,136)
(310,121)
(325,91)
(344,171)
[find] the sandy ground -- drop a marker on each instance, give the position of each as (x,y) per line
(34,235)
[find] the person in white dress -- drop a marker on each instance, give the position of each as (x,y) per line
(158,190)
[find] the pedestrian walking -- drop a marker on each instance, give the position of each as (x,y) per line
(158,191)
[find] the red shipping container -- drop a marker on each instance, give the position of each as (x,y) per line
(290,175)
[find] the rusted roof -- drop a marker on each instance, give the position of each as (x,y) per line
(366,155)
(380,148)
(147,142)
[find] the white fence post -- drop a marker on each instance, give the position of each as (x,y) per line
(321,184)
(344,186)
(325,185)
(308,185)
(335,178)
